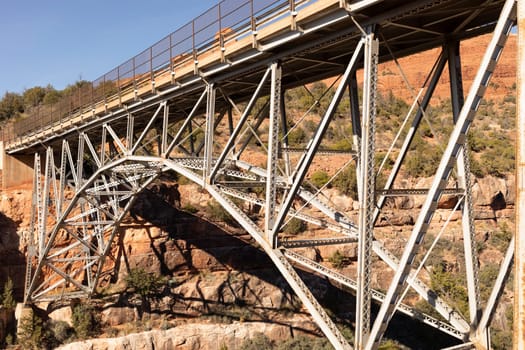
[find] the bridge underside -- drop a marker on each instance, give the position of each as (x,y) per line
(231,134)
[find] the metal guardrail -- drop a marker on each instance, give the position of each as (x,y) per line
(228,20)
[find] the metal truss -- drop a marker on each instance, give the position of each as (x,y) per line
(84,188)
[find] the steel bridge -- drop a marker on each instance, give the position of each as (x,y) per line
(197,101)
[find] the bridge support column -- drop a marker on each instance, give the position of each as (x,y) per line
(16,170)
(22,313)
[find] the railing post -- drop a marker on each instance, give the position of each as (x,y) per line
(194,49)
(118,87)
(92,98)
(253,24)
(152,78)
(104,93)
(221,34)
(135,91)
(293,15)
(172,64)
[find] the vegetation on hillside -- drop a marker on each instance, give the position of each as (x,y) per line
(490,139)
(15,105)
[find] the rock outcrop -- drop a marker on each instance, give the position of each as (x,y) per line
(192,336)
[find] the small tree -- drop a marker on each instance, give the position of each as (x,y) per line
(8,300)
(145,284)
(338,260)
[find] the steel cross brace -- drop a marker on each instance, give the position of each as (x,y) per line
(450,156)
(306,160)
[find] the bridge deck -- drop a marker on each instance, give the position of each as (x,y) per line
(313,38)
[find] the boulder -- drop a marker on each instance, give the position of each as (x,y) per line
(114,316)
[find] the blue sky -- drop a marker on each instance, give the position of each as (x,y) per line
(58,42)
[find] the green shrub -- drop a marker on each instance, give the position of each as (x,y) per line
(190,208)
(259,342)
(85,321)
(61,330)
(310,125)
(338,260)
(497,164)
(451,287)
(501,237)
(297,137)
(487,276)
(423,306)
(422,159)
(389,344)
(346,182)
(319,178)
(218,213)
(144,283)
(294,226)
(342,145)
(500,339)
(302,342)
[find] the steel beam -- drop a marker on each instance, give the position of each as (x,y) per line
(208,132)
(273,148)
(367,190)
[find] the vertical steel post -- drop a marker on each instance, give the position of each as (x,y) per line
(286,155)
(31,249)
(519,253)
(463,164)
(80,161)
(44,205)
(165,126)
(273,145)
(367,184)
(129,131)
(353,92)
(103,146)
(62,186)
(208,133)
